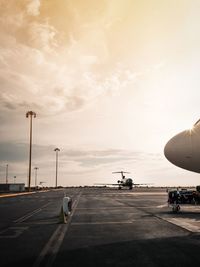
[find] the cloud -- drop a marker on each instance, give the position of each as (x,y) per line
(19,152)
(42,36)
(11,152)
(33,7)
(102,158)
(40,69)
(79,162)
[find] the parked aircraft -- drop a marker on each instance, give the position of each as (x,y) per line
(183,150)
(124,182)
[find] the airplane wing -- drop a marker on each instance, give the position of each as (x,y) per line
(119,184)
(141,184)
(107,184)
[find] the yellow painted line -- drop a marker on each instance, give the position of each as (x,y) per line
(16,194)
(21,194)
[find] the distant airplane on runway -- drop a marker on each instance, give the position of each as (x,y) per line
(183,150)
(41,183)
(124,182)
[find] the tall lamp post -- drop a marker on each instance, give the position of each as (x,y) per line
(30,114)
(6,173)
(56,150)
(36,168)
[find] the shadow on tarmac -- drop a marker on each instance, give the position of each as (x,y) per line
(176,251)
(159,252)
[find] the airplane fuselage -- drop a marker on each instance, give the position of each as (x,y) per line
(126,182)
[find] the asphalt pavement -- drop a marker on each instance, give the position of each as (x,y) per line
(107,227)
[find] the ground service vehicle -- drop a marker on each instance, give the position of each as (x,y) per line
(177,197)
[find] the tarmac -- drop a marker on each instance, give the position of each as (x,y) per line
(130,228)
(106,227)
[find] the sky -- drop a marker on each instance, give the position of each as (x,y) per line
(110,81)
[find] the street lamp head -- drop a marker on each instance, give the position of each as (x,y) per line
(56,149)
(31,113)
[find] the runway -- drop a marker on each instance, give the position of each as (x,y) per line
(107,227)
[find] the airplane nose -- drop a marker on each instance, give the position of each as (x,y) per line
(183,150)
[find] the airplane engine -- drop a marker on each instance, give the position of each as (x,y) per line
(183,150)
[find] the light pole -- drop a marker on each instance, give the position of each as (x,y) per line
(6,173)
(56,150)
(36,168)
(31,114)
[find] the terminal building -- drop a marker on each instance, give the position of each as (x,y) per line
(17,187)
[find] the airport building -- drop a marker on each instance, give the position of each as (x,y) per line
(17,187)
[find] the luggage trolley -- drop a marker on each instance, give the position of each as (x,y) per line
(176,198)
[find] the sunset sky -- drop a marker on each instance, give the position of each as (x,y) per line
(111,81)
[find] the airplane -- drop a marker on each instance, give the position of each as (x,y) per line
(124,182)
(183,150)
(41,183)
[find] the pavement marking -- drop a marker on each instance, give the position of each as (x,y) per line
(12,232)
(175,221)
(189,224)
(30,214)
(190,207)
(107,208)
(136,193)
(115,208)
(53,245)
(192,225)
(47,221)
(162,206)
(2,195)
(49,246)
(108,213)
(99,223)
(16,194)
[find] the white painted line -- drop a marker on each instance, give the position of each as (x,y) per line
(106,208)
(100,223)
(52,247)
(191,225)
(47,247)
(108,213)
(116,208)
(162,206)
(136,193)
(12,232)
(30,214)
